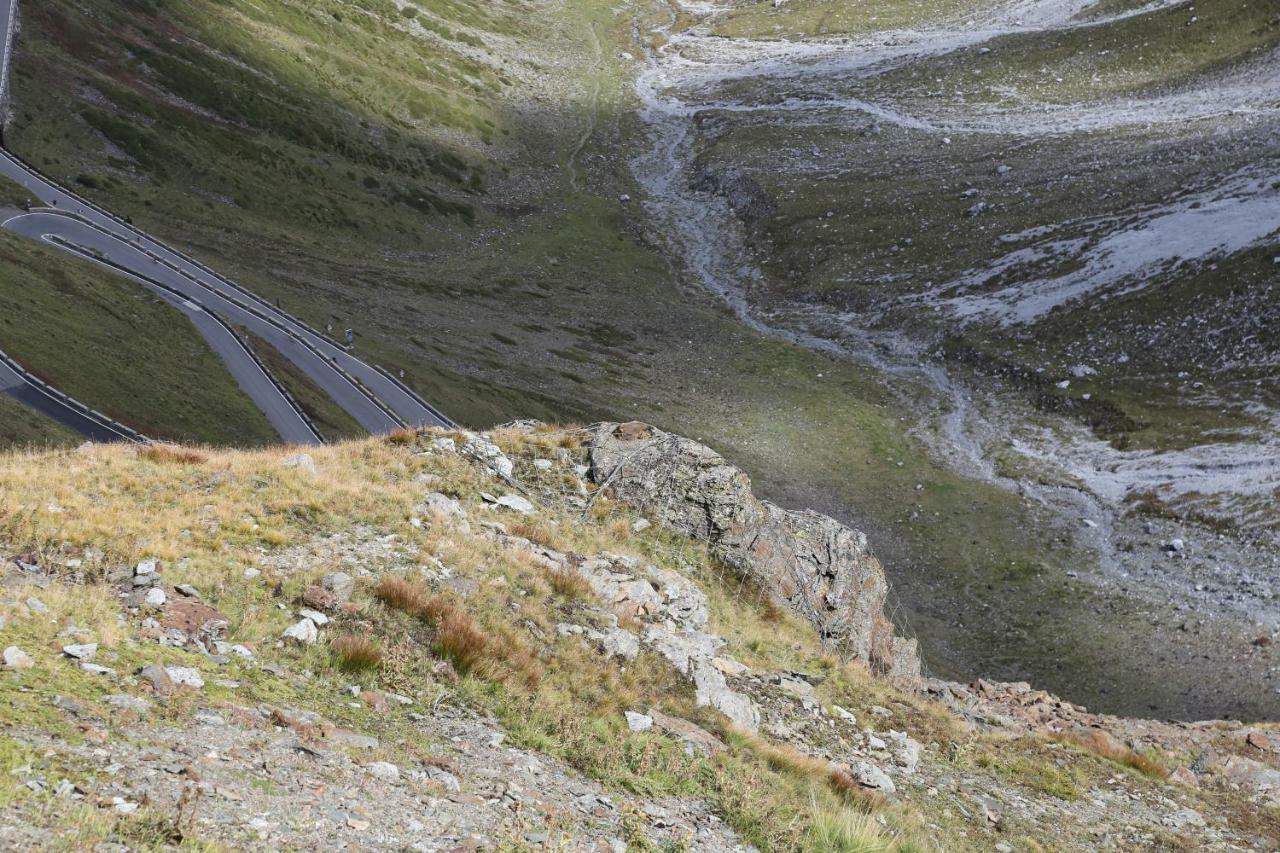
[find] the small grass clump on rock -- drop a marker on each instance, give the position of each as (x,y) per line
(1105,746)
(357,654)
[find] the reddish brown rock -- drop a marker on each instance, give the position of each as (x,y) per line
(196,620)
(375,700)
(694,736)
(318,598)
(1259,740)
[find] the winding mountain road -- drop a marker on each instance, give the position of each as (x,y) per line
(375,399)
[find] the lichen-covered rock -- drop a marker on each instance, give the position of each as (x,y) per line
(817,566)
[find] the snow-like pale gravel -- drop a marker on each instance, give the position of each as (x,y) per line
(1242,212)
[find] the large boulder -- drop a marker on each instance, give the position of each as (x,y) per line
(813,564)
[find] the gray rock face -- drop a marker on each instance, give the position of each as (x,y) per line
(746,197)
(815,565)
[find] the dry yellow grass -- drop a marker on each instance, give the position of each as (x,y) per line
(1105,746)
(535,533)
(567,583)
(402,435)
(356,653)
(172,454)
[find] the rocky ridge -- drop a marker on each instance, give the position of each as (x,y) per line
(820,568)
(226,712)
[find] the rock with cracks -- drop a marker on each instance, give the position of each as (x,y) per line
(817,566)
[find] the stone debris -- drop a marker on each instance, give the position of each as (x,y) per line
(315,616)
(303,631)
(340,584)
(185,676)
(516,503)
(384,770)
(125,702)
(81,651)
(870,776)
(487,453)
(302,462)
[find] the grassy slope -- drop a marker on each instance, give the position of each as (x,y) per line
(24,427)
(130,506)
(114,346)
(547,300)
(330,419)
(819,18)
(1149,53)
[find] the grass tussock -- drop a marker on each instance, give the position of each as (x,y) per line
(401,594)
(847,831)
(567,583)
(356,654)
(535,533)
(170,454)
(402,435)
(785,758)
(502,657)
(1103,745)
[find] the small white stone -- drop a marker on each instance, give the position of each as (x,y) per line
(155,597)
(314,615)
(303,631)
(250,574)
(640,525)
(185,676)
(638,722)
(302,461)
(16,658)
(384,770)
(146,567)
(515,503)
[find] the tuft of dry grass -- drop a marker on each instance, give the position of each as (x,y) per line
(535,533)
(567,583)
(458,638)
(786,758)
(852,792)
(461,641)
(169,454)
(402,435)
(1103,745)
(356,653)
(401,594)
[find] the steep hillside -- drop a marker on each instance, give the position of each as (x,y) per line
(573,209)
(433,640)
(112,345)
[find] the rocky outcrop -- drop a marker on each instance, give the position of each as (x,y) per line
(818,567)
(748,200)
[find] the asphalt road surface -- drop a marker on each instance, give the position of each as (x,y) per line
(252,377)
(378,402)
